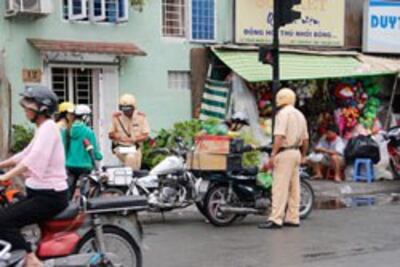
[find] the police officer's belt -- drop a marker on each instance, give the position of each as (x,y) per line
(288,148)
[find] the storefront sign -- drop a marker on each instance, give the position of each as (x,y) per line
(382,26)
(321,23)
(31,75)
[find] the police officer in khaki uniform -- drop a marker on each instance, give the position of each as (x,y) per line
(129,129)
(289,150)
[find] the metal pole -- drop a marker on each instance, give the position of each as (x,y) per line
(387,122)
(275,66)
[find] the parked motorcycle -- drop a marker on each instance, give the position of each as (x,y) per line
(169,185)
(393,136)
(229,195)
(89,233)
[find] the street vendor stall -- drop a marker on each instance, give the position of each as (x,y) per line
(352,91)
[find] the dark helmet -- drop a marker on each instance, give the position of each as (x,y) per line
(45,99)
(240,117)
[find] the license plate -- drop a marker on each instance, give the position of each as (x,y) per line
(203,187)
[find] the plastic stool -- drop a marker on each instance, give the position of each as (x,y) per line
(363,170)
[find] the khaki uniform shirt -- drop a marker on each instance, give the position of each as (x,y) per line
(135,126)
(292,125)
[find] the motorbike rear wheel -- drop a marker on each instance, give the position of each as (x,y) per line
(395,169)
(117,242)
(216,197)
(306,199)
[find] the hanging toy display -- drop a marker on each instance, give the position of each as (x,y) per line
(370,112)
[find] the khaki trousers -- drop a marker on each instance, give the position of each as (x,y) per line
(286,188)
(133,160)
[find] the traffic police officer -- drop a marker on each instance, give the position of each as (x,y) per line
(129,129)
(289,150)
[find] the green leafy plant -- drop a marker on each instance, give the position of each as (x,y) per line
(138,4)
(21,136)
(253,158)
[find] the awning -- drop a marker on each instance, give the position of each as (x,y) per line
(118,49)
(296,66)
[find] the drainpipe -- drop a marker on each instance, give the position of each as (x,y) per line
(5,119)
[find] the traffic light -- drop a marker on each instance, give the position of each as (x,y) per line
(286,14)
(266,54)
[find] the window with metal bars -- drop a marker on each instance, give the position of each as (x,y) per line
(173,17)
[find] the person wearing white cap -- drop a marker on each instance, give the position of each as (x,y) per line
(289,150)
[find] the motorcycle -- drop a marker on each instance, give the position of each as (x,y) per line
(230,195)
(393,136)
(169,185)
(88,233)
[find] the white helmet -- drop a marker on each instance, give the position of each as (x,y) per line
(82,110)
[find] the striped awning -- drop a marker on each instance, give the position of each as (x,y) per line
(296,66)
(215,100)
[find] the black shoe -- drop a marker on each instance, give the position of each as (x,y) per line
(291,224)
(269,225)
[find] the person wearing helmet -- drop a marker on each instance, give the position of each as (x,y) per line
(129,129)
(42,163)
(64,115)
(289,150)
(78,159)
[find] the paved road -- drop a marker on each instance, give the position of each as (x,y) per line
(365,236)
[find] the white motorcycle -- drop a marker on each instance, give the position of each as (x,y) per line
(169,185)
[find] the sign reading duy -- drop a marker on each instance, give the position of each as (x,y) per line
(321,23)
(382,26)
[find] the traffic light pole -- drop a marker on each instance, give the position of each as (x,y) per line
(275,65)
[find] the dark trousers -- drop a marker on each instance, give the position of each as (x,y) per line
(38,206)
(73,177)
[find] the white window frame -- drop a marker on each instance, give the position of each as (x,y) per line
(126,11)
(187,75)
(84,13)
(92,16)
(87,15)
(190,15)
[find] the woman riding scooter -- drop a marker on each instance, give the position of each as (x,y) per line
(78,159)
(42,163)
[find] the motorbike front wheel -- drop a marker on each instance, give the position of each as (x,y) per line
(216,197)
(306,199)
(117,242)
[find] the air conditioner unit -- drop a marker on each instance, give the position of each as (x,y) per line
(33,7)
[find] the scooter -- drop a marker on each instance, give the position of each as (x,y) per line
(89,233)
(230,195)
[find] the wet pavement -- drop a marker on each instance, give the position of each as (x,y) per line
(357,236)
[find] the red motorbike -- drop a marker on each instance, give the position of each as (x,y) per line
(393,136)
(92,232)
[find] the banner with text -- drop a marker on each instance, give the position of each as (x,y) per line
(321,23)
(382,26)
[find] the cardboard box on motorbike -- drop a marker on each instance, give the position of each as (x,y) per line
(210,153)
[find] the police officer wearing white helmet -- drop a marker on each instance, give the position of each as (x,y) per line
(289,150)
(129,129)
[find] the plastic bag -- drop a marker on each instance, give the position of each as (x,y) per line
(362,147)
(264,179)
